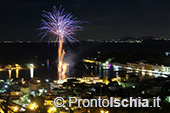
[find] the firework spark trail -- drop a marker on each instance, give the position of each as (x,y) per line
(59,26)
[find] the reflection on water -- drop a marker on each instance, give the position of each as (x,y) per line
(42,73)
(101,70)
(112,71)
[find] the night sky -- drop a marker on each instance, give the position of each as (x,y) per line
(107,19)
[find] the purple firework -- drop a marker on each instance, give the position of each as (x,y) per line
(59,25)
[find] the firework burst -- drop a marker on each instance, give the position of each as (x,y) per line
(60,26)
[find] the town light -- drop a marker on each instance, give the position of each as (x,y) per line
(6,86)
(47,80)
(16,109)
(52,109)
(38,81)
(102,111)
(33,106)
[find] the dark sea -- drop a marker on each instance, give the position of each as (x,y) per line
(38,53)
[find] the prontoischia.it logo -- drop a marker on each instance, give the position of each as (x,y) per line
(112,102)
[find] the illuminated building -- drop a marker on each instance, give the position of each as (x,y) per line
(165,69)
(88,79)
